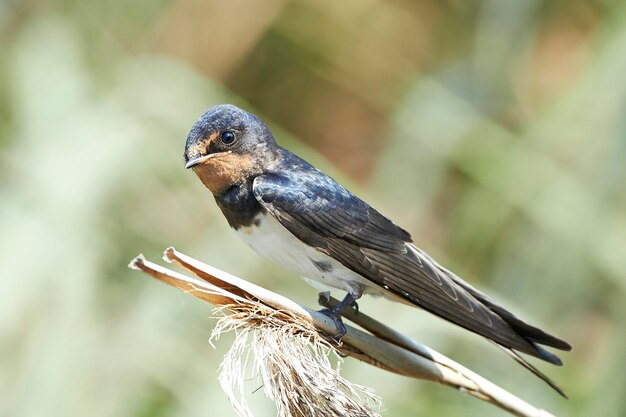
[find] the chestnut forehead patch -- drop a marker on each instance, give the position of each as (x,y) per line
(199,147)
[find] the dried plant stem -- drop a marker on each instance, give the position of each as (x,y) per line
(382,346)
(291,361)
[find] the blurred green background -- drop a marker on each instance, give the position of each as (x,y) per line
(494,131)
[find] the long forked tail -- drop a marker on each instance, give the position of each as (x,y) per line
(534,335)
(519,359)
(528,331)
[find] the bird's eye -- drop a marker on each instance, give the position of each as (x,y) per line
(228,137)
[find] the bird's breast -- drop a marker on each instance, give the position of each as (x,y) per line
(273,241)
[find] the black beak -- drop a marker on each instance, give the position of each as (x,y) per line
(202,159)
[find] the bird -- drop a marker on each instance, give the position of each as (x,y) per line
(295,215)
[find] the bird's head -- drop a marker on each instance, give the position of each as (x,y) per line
(227,145)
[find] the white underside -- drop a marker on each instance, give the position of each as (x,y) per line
(273,241)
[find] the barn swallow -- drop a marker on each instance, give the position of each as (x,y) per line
(294,214)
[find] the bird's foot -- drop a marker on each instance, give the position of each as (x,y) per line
(336,318)
(334,313)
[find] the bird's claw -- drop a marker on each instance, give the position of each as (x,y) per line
(335,312)
(324,298)
(336,318)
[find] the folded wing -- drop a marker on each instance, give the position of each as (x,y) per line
(323,214)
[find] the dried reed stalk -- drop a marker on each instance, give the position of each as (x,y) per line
(290,344)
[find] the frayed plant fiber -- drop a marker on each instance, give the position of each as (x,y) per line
(291,360)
